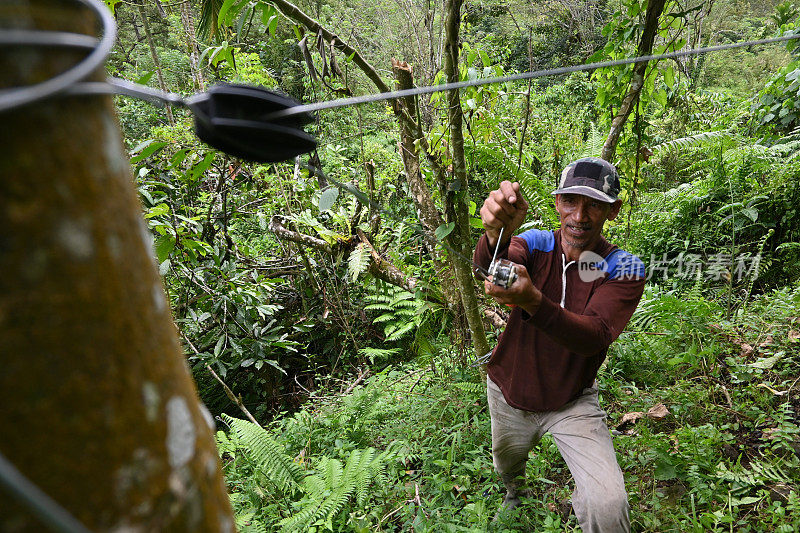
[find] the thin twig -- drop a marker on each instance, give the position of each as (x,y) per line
(361,376)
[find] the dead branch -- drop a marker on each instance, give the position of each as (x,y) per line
(283,233)
(361,375)
(228,392)
(383,269)
(496,319)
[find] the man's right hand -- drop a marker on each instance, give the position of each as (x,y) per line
(504,208)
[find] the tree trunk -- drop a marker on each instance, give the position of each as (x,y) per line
(654,9)
(694,64)
(154,55)
(420,193)
(187,19)
(98,406)
(456,200)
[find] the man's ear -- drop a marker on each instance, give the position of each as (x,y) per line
(615,207)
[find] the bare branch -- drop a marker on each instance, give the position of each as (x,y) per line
(281,232)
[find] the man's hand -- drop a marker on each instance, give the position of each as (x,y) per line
(522,293)
(504,208)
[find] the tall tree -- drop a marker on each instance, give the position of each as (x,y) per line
(154,55)
(457,195)
(187,20)
(98,405)
(649,31)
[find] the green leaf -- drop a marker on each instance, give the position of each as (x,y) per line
(471,57)
(223,12)
(664,470)
(146,149)
(765,363)
(157,210)
(112,5)
(267,11)
(144,78)
(444,230)
(751,213)
(669,77)
(328,198)
(272,25)
(164,245)
(747,500)
(178,158)
(200,167)
(219,345)
(660,96)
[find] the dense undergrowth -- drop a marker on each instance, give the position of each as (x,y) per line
(409,447)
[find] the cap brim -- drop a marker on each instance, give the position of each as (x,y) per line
(586,191)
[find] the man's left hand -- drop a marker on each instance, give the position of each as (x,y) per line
(521,294)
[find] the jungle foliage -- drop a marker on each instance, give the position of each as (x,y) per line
(374,418)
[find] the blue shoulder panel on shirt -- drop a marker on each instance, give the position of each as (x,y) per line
(622,264)
(539,240)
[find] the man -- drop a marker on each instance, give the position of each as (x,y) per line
(574,295)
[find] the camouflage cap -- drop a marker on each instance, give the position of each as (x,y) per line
(590,176)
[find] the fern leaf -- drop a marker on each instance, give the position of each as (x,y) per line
(400,331)
(378,307)
(468,386)
(359,261)
(270,456)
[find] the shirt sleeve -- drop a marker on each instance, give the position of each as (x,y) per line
(606,315)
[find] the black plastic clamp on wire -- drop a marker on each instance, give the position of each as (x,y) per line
(231,118)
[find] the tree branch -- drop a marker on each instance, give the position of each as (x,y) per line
(654,10)
(281,232)
(383,269)
(297,15)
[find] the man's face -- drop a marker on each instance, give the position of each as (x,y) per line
(582,220)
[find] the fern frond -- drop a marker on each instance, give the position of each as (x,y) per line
(359,261)
(380,354)
(224,443)
(400,331)
(383,318)
(332,487)
(267,453)
(472,388)
(378,307)
(594,143)
(691,140)
(770,472)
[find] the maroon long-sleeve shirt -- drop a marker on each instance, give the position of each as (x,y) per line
(543,361)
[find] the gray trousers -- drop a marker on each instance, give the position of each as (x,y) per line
(580,432)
